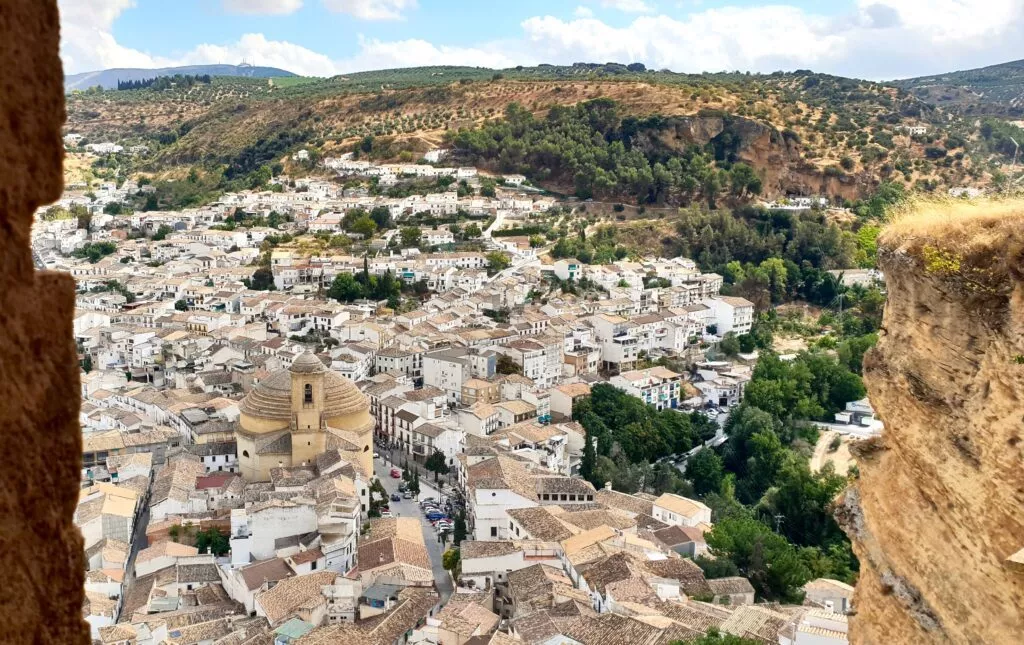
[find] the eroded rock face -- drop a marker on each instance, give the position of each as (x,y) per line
(40,547)
(939,505)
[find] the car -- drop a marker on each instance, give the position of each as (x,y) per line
(396,473)
(402,487)
(436,515)
(428,500)
(376,455)
(406,495)
(386,514)
(395,497)
(441,525)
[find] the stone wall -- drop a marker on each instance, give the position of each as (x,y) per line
(40,548)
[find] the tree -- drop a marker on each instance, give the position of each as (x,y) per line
(113,208)
(436,463)
(772,564)
(536,241)
(381,216)
(162,232)
(715,637)
(262,280)
(364,226)
(730,345)
(471,231)
(87,364)
(705,471)
(82,215)
(414,482)
(212,541)
(589,460)
(411,236)
(345,288)
(497,261)
(180,305)
(451,560)
(460,528)
(487,188)
(506,365)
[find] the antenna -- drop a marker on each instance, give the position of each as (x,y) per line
(1016,149)
(779,519)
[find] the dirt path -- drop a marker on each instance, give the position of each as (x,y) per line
(841,458)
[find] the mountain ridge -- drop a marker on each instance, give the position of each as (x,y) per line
(108,78)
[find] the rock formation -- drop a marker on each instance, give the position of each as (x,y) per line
(939,505)
(40,547)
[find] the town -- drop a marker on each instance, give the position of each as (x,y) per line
(433,354)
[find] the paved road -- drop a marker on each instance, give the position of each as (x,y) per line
(410,508)
(139,542)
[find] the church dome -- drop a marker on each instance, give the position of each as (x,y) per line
(271,399)
(307,363)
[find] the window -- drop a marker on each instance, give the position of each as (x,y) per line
(245,453)
(494,531)
(308,396)
(312,566)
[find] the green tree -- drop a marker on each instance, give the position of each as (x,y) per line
(772,564)
(262,279)
(82,215)
(730,345)
(459,528)
(87,364)
(705,471)
(364,226)
(345,288)
(589,461)
(411,236)
(451,560)
(715,637)
(162,232)
(436,463)
(180,305)
(497,261)
(506,365)
(472,231)
(381,216)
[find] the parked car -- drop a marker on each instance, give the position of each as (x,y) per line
(402,487)
(386,514)
(396,473)
(376,455)
(395,497)
(427,500)
(444,525)
(406,495)
(435,515)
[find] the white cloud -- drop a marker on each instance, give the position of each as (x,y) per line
(87,42)
(583,12)
(629,6)
(877,39)
(372,9)
(263,7)
(377,54)
(258,50)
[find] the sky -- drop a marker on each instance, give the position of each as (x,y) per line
(873,39)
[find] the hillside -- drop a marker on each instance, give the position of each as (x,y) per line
(108,78)
(996,90)
(800,132)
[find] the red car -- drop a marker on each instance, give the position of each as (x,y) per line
(396,473)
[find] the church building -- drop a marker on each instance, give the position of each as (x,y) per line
(295,414)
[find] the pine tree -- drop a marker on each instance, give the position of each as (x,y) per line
(460,528)
(589,462)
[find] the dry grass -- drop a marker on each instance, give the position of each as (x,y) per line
(956,225)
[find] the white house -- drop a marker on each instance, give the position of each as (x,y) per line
(678,510)
(731,314)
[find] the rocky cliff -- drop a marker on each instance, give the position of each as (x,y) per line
(938,510)
(776,156)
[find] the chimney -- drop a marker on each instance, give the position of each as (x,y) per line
(607,485)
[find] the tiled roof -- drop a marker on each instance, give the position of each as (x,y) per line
(540,524)
(292,594)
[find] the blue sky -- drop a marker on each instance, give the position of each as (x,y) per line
(867,38)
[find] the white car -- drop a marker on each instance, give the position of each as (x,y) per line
(376,455)
(386,514)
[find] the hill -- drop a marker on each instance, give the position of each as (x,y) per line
(108,78)
(997,90)
(800,132)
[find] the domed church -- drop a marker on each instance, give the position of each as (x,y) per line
(295,414)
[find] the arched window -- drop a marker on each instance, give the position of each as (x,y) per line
(308,397)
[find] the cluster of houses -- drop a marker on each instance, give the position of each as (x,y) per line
(213,513)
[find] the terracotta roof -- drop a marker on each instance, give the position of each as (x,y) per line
(295,593)
(273,570)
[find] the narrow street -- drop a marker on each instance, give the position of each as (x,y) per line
(411,508)
(139,542)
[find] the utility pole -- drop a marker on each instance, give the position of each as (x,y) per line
(779,519)
(1016,150)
